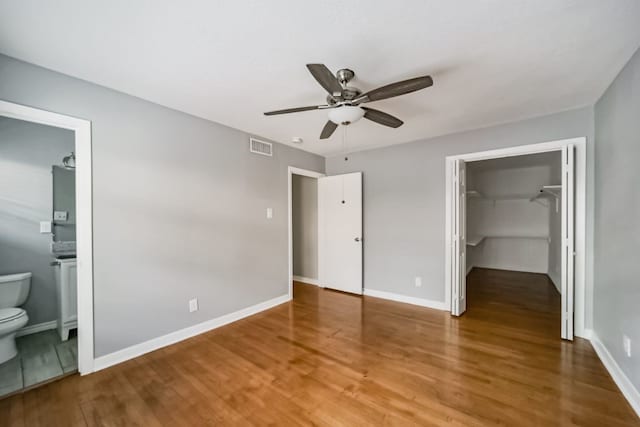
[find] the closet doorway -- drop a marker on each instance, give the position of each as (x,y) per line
(514,212)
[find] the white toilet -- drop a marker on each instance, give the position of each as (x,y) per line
(14,290)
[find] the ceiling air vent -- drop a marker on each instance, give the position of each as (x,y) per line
(260,147)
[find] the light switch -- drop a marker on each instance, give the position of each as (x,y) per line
(60,215)
(45,227)
(269,213)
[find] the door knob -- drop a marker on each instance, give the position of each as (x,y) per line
(357,239)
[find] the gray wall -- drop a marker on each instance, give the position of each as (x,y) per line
(64,200)
(617,237)
(27,152)
(404,198)
(304,201)
(179,208)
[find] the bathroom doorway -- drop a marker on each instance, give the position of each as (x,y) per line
(46,278)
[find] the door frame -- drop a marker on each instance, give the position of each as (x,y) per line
(292,170)
(581,293)
(84,217)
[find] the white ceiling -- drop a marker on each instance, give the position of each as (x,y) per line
(492,61)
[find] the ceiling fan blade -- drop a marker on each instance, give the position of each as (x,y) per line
(328,130)
(325,77)
(295,110)
(381,117)
(396,89)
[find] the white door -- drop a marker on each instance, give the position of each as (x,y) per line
(568,249)
(458,240)
(340,232)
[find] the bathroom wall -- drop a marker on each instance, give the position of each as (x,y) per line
(64,200)
(27,152)
(179,208)
(304,193)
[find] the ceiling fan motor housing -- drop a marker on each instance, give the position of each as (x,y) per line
(345,75)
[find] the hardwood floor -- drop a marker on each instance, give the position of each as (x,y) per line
(334,359)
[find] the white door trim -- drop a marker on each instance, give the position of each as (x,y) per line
(582,293)
(291,170)
(84,217)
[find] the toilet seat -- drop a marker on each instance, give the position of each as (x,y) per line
(9,314)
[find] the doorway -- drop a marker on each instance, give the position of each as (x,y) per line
(80,273)
(325,230)
(568,196)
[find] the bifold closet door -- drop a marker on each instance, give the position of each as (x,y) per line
(458,241)
(340,232)
(568,243)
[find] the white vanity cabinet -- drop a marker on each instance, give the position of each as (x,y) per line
(66,281)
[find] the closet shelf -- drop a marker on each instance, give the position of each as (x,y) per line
(518,236)
(548,190)
(475,240)
(474,193)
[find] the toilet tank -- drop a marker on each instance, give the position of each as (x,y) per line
(14,289)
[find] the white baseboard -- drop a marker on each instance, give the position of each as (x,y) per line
(137,350)
(438,305)
(469,268)
(622,381)
(509,267)
(33,329)
(587,334)
(557,282)
(307,280)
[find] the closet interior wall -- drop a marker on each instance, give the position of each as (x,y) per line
(508,227)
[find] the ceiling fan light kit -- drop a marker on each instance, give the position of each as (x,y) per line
(346,114)
(343,101)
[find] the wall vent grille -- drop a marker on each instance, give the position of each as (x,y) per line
(260,147)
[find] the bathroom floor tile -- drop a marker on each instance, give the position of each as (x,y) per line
(37,343)
(10,376)
(41,357)
(68,355)
(41,366)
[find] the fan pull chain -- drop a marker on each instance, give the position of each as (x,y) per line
(344,142)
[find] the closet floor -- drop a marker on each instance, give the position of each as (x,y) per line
(526,301)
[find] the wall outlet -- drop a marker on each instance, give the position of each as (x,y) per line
(418,282)
(193,305)
(626,343)
(60,215)
(269,213)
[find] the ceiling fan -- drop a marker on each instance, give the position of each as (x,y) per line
(344,101)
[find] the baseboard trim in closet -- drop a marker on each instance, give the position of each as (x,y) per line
(306,280)
(422,302)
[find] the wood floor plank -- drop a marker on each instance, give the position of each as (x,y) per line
(333,359)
